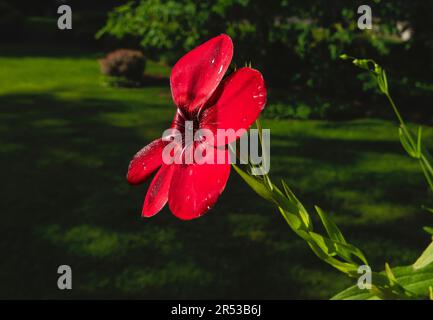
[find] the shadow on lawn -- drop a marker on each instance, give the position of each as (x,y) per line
(67,202)
(340,158)
(391,195)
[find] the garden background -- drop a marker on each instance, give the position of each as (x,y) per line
(67,135)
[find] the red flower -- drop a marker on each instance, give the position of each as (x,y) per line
(203,97)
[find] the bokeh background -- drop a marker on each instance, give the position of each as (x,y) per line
(68,131)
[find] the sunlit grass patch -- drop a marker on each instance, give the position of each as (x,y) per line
(66,142)
(87,240)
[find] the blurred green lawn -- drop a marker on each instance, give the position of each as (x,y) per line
(66,141)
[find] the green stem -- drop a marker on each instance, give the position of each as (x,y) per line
(394,107)
(401,121)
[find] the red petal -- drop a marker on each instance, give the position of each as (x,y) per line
(157,194)
(146,161)
(237,103)
(197,74)
(195,188)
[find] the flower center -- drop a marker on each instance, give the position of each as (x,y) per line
(187,122)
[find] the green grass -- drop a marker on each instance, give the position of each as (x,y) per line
(66,141)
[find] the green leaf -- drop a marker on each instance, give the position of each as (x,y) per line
(417,281)
(301,209)
(281,200)
(428,230)
(381,79)
(345,267)
(255,184)
(385,80)
(418,142)
(425,259)
(366,64)
(343,250)
(427,174)
(292,220)
(427,209)
(406,143)
(331,228)
(389,274)
(288,191)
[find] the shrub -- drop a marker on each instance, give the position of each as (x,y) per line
(294,43)
(124,65)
